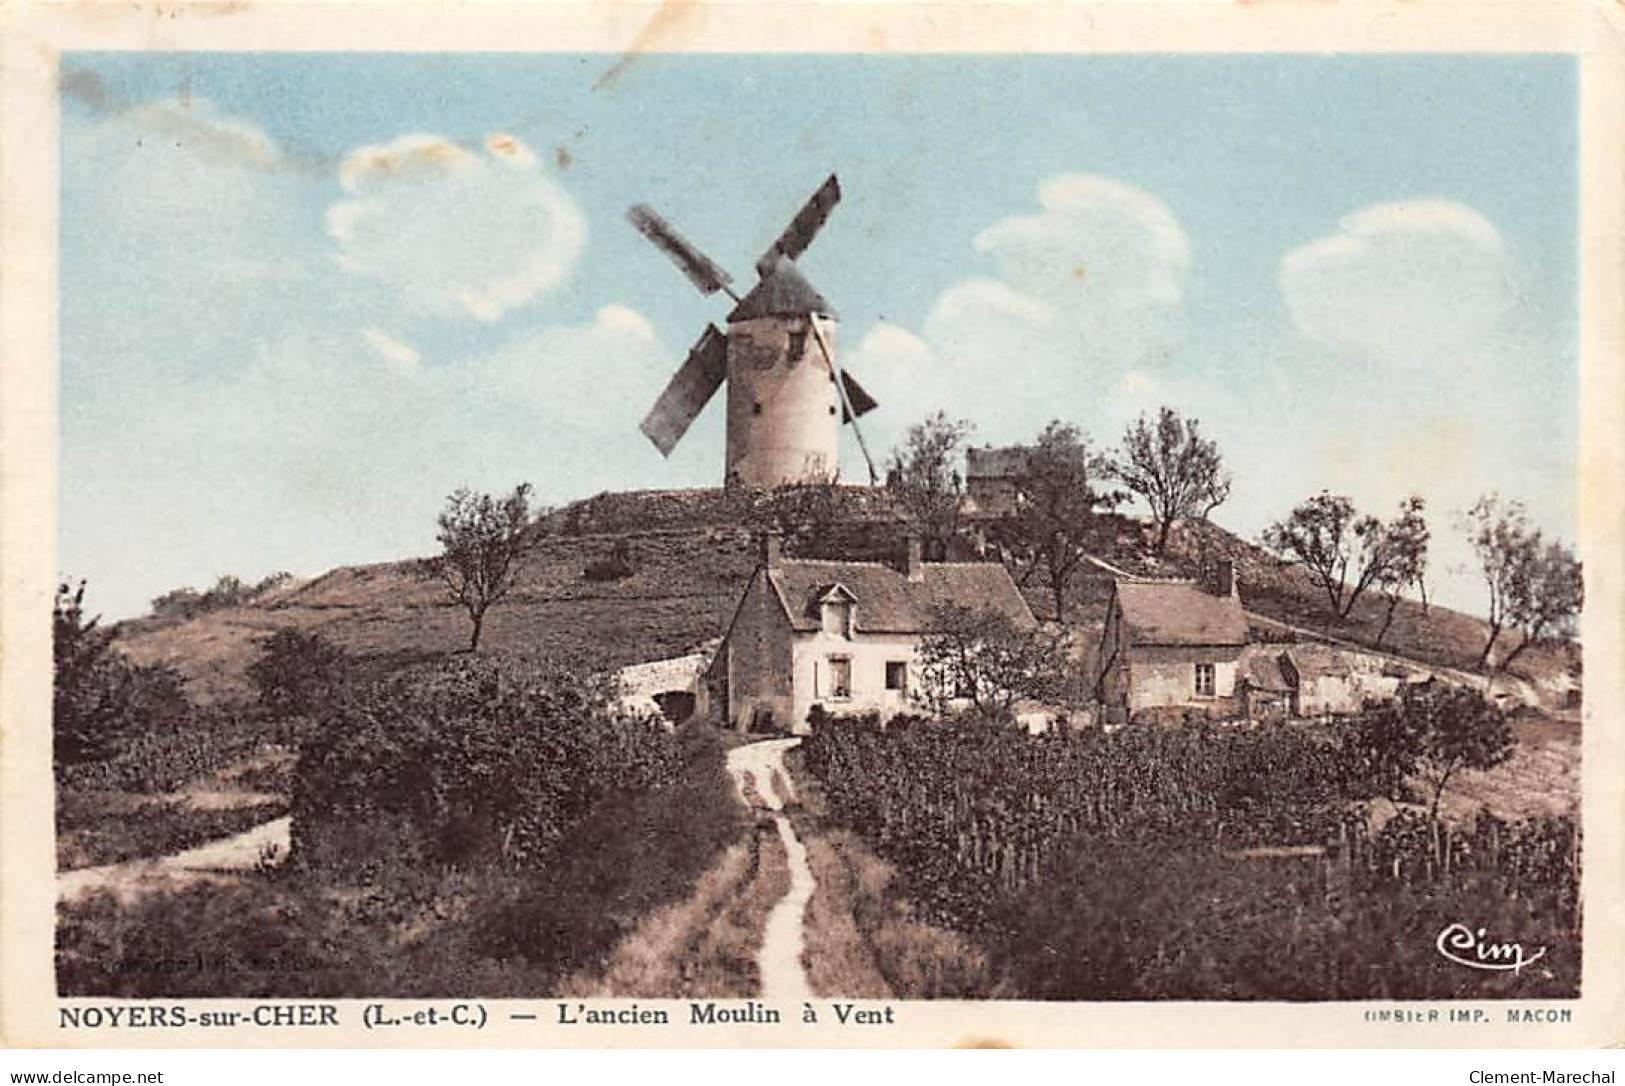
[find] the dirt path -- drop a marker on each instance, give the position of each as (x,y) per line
(211,861)
(763,781)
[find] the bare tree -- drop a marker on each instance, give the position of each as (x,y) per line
(1059,499)
(483,541)
(923,475)
(1343,552)
(1535,586)
(1406,541)
(1173,468)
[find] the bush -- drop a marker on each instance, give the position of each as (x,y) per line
(616,567)
(228,591)
(413,929)
(102,703)
(297,673)
(168,753)
(629,855)
(470,763)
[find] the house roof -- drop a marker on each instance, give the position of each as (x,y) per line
(1314,660)
(996,463)
(1261,667)
(782,292)
(1180,613)
(886,600)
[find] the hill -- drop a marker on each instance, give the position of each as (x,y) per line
(689,554)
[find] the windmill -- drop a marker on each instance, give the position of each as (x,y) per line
(787,398)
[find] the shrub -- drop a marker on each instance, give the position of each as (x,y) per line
(472,762)
(633,852)
(228,591)
(102,702)
(616,567)
(296,673)
(413,929)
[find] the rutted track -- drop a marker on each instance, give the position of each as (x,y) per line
(759,773)
(212,861)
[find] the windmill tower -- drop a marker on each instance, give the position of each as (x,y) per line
(787,398)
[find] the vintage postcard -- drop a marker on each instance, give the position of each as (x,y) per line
(812,525)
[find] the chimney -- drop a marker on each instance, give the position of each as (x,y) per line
(913,562)
(772,546)
(1224,577)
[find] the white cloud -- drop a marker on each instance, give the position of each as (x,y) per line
(1088,288)
(1097,242)
(401,356)
(1422,281)
(457,232)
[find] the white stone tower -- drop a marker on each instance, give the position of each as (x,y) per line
(784,409)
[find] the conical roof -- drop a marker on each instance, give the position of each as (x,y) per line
(782,292)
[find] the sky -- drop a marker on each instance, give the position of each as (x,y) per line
(306,296)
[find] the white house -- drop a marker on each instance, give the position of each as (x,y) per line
(843,635)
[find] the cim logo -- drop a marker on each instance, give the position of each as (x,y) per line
(1464,946)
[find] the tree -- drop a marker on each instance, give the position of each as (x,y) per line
(923,475)
(1335,544)
(100,700)
(1458,729)
(483,541)
(1177,472)
(1059,499)
(1381,750)
(1406,540)
(297,674)
(1432,730)
(981,656)
(1535,586)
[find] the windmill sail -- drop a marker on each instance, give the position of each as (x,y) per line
(858,401)
(689,390)
(701,270)
(804,227)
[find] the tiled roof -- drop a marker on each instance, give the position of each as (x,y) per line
(887,601)
(1260,665)
(1180,613)
(1313,659)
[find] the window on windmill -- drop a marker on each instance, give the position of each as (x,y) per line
(1205,680)
(798,344)
(840,676)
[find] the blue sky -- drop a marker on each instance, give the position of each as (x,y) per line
(306,296)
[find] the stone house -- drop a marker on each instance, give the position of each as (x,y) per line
(1171,644)
(1266,683)
(1308,679)
(993,479)
(843,635)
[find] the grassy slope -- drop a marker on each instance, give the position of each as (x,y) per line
(692,552)
(682,593)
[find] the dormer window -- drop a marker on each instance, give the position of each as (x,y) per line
(838,618)
(836,608)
